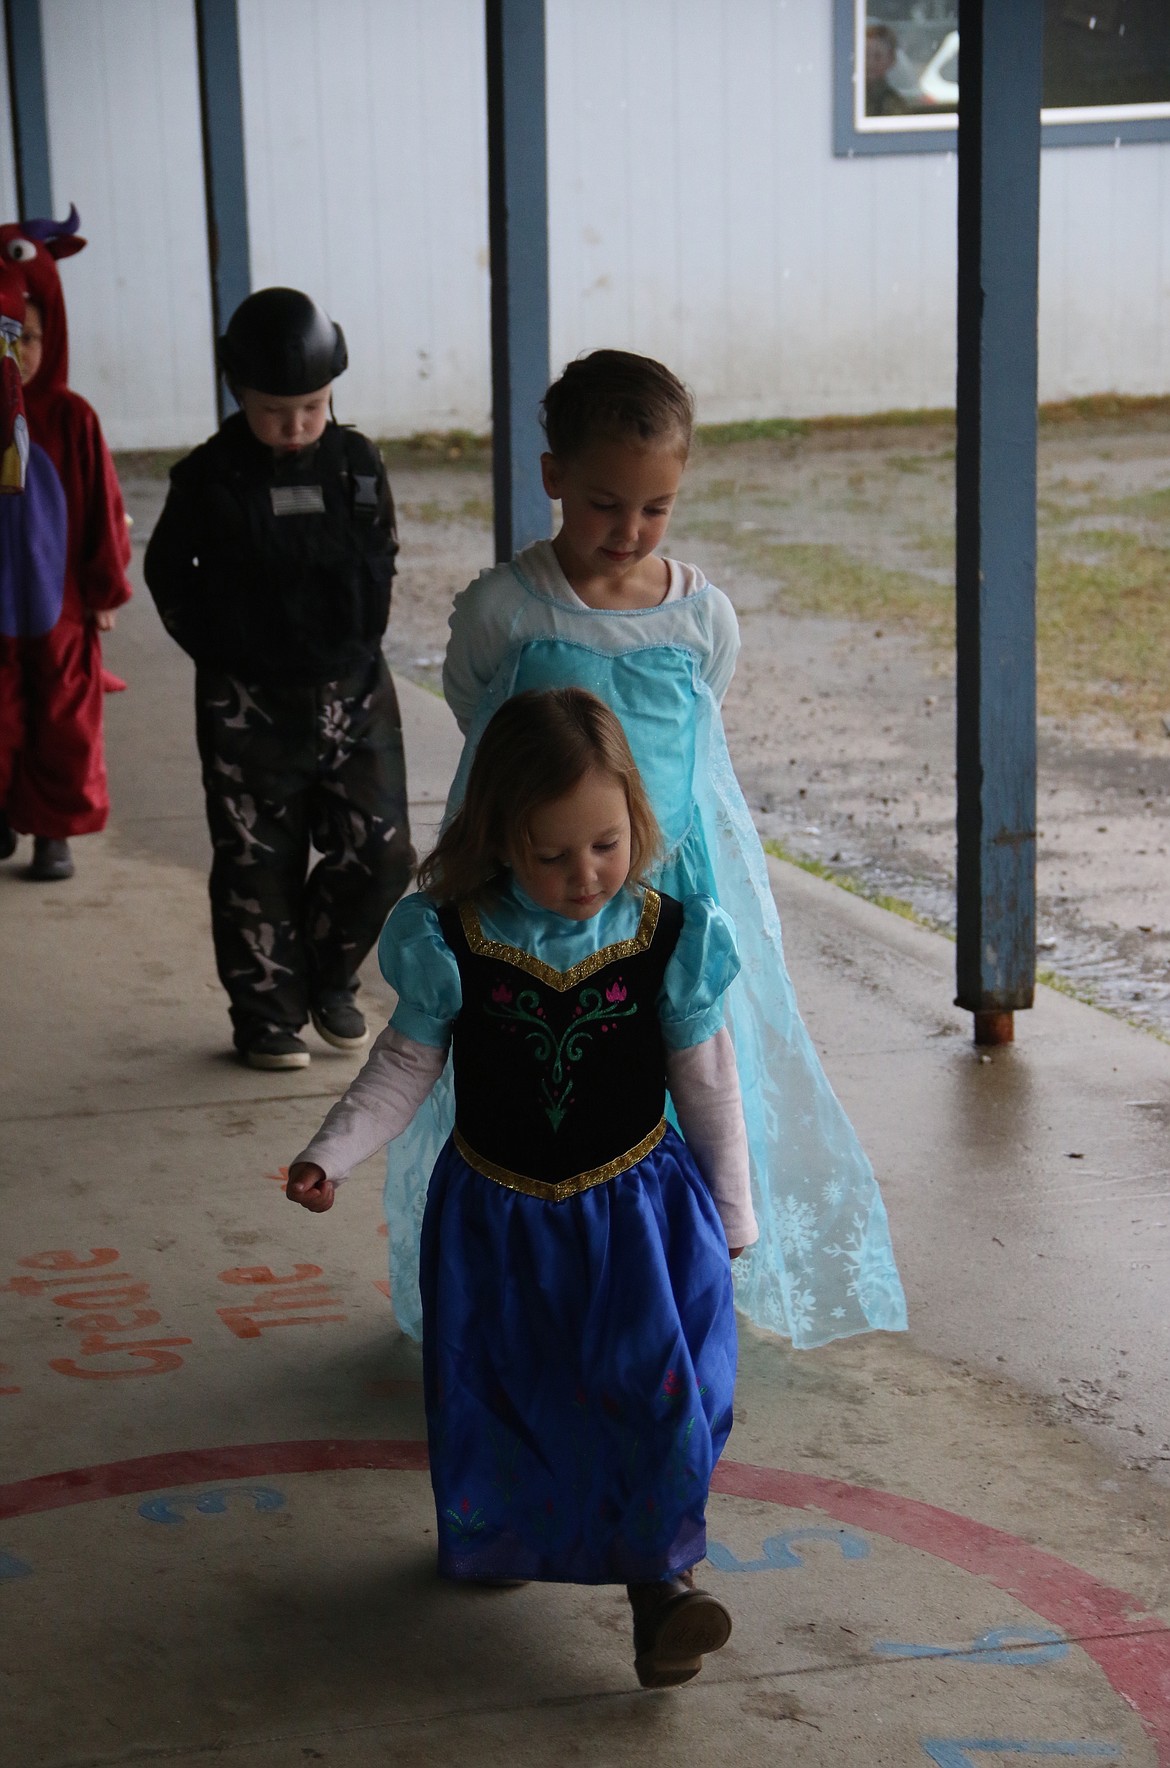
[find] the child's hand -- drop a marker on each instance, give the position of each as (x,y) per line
(308,1186)
(733,1250)
(103,619)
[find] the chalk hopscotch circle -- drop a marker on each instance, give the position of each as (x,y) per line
(960,1752)
(1002,1645)
(1128,1642)
(209,1503)
(778,1553)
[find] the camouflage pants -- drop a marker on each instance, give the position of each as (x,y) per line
(286,769)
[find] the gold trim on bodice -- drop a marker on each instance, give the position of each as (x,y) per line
(558,1191)
(561,980)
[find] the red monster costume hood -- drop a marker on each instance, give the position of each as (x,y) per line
(32,248)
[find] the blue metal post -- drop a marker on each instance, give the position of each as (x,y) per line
(995,472)
(30,123)
(217,28)
(518,237)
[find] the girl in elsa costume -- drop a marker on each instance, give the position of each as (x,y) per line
(579,1341)
(597,607)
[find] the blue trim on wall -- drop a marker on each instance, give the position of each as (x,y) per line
(30,121)
(518,235)
(221,106)
(849,141)
(995,518)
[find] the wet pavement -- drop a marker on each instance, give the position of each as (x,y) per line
(216,1538)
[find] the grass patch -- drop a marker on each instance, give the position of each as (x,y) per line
(762,429)
(438,448)
(937,548)
(1089,997)
(929,418)
(911,463)
(433,513)
(147,463)
(1102,407)
(429,514)
(822,579)
(830,580)
(1153,506)
(1103,628)
(1076,991)
(894,905)
(1102,611)
(1142,411)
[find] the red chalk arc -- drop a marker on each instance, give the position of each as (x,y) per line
(1131,1646)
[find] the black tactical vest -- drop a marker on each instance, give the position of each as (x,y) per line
(300,551)
(559,1075)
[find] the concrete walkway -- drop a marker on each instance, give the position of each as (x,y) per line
(216,1535)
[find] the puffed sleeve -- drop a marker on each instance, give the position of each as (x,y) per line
(420,967)
(480,627)
(720,665)
(702,966)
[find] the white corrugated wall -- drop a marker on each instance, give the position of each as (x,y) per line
(7,164)
(366,145)
(123,108)
(697,212)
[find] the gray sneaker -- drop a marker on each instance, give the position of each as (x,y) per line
(272,1048)
(338,1019)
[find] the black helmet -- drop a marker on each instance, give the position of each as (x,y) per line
(280,341)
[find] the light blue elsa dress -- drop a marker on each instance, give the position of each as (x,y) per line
(823,1267)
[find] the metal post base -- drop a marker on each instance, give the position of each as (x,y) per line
(995,1028)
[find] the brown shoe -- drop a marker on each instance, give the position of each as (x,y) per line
(674,1625)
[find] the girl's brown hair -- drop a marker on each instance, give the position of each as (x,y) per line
(612,395)
(535,750)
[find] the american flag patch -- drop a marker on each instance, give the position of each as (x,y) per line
(297,500)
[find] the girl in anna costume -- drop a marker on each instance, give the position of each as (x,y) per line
(579,1341)
(598,607)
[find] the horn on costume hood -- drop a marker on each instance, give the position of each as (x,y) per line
(31,248)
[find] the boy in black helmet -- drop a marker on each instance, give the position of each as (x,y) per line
(271,566)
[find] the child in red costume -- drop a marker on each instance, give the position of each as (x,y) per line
(58,775)
(32,535)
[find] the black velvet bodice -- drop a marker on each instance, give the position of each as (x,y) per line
(559,1075)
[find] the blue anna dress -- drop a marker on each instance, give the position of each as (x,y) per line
(579,1341)
(823,1267)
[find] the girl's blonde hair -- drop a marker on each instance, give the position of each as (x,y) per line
(613,395)
(536,748)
